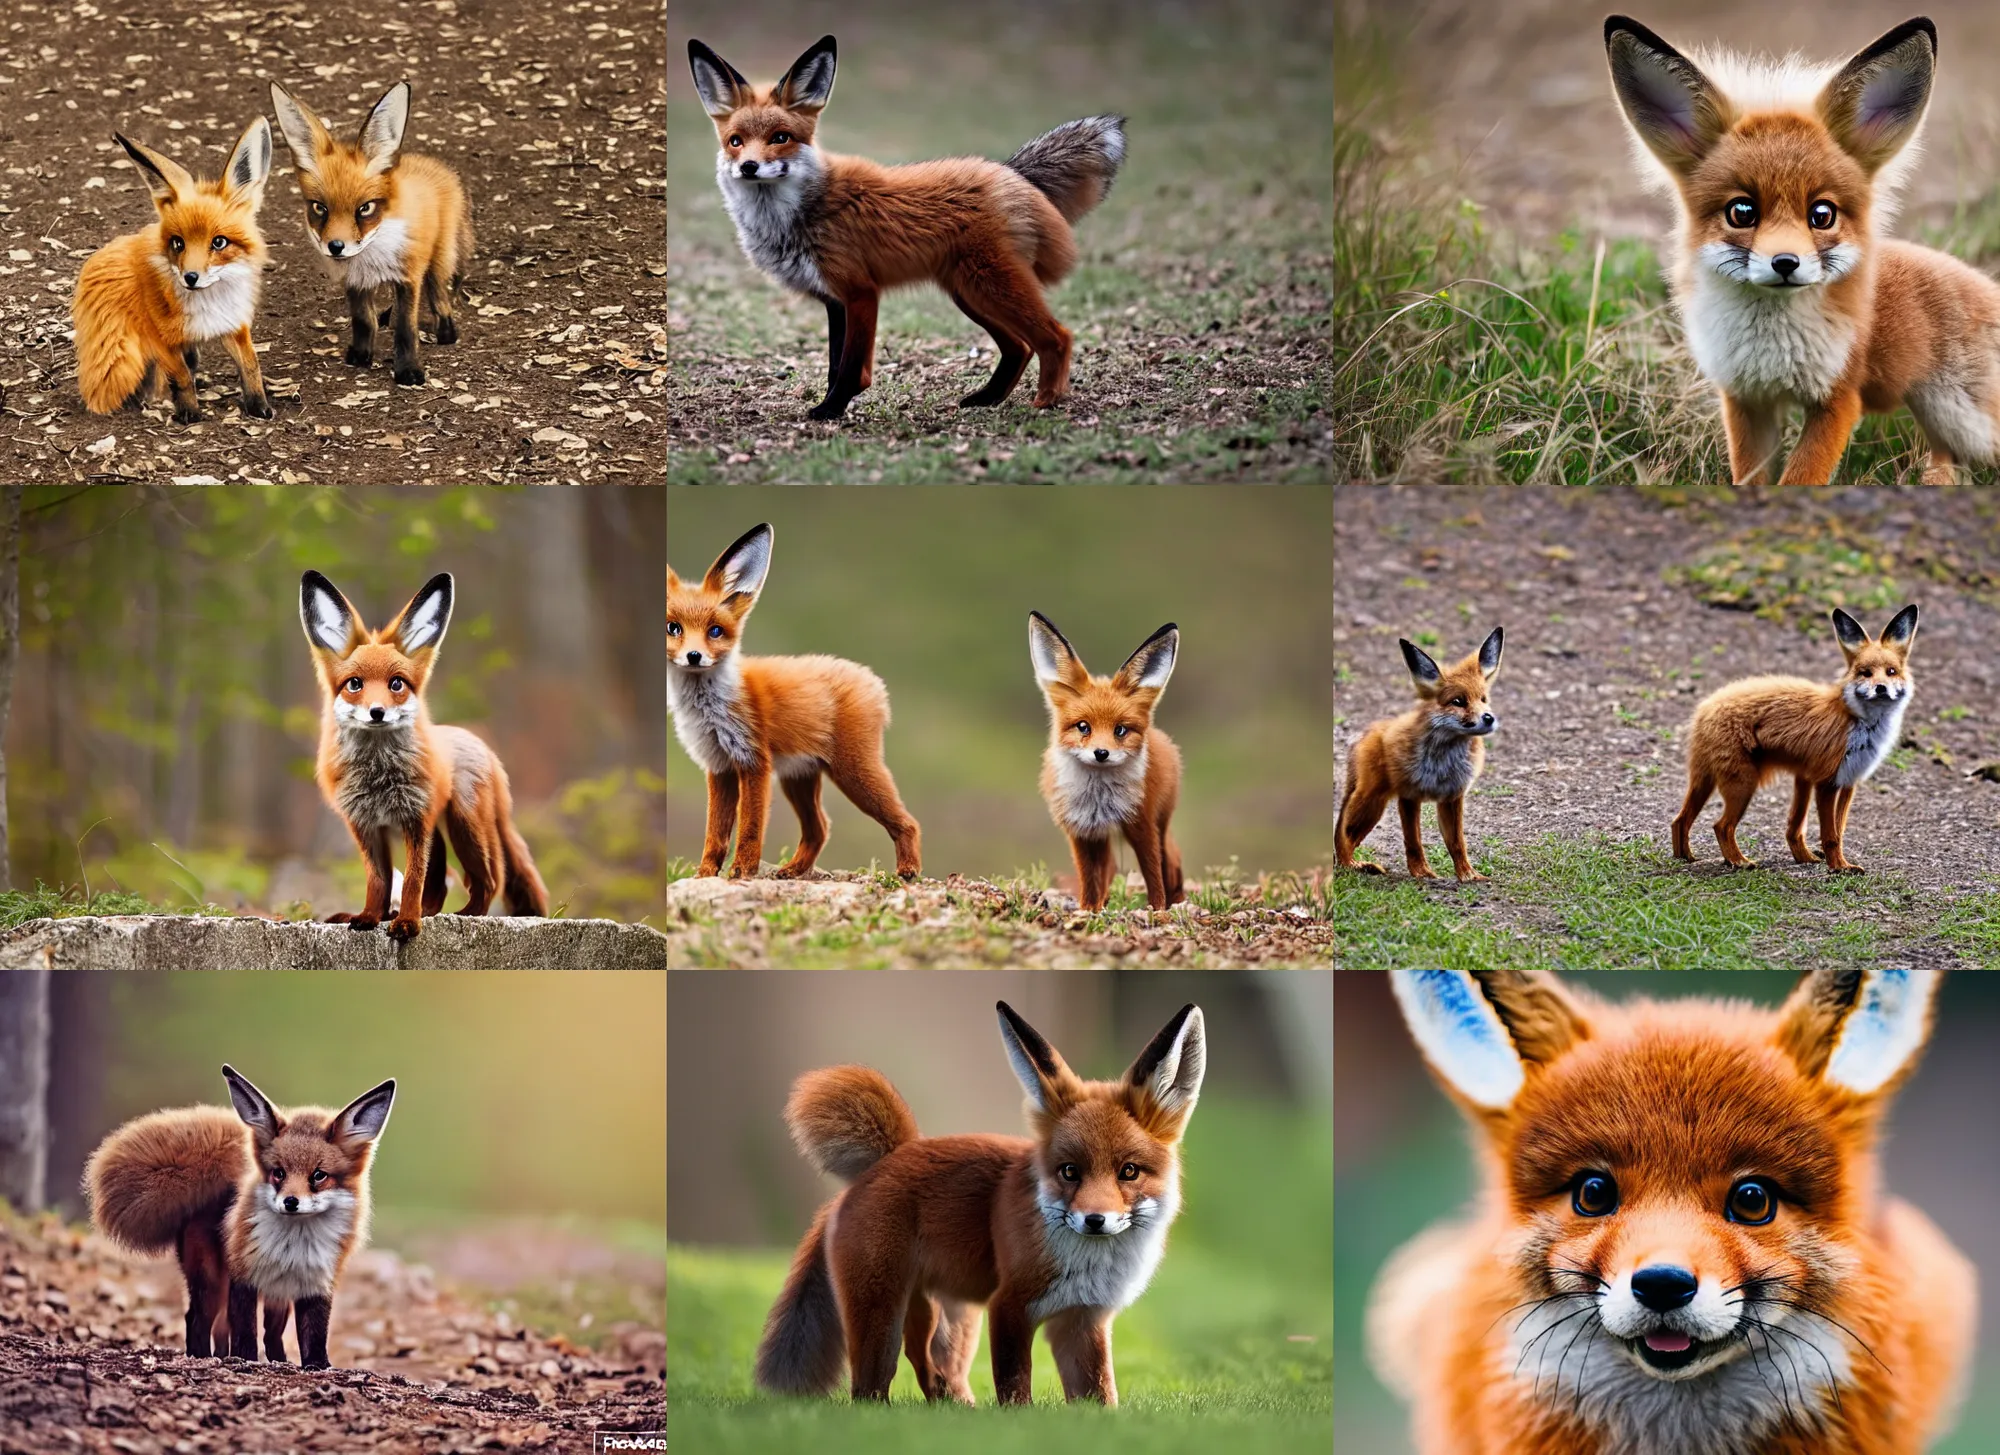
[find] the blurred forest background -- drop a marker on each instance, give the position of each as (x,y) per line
(1401,1162)
(931,588)
(166,712)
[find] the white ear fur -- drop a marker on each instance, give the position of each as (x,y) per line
(250,164)
(1176,1082)
(716,88)
(1047,652)
(1023,1064)
(1159,663)
(425,625)
(252,1106)
(326,618)
(747,569)
(1460,1034)
(297,124)
(363,1118)
(1886,1028)
(382,133)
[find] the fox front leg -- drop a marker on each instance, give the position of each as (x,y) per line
(408,922)
(408,370)
(314,1314)
(244,350)
(242,1319)
(360,327)
(1080,1339)
(180,386)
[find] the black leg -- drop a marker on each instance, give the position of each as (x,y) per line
(313,1316)
(836,333)
(276,1314)
(408,370)
(361,328)
(193,359)
(242,1320)
(200,1319)
(856,351)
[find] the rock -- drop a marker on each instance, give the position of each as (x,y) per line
(448,942)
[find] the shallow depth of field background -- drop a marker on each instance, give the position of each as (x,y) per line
(1401,1162)
(931,588)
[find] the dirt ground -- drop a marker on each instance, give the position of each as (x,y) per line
(1622,611)
(553,114)
(89,1361)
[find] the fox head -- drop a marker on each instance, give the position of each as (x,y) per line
(1457,697)
(1100,722)
(374,680)
(310,1160)
(349,186)
(1878,671)
(705,621)
(1689,1187)
(1107,1154)
(1780,168)
(208,229)
(766,132)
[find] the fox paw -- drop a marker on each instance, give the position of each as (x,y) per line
(187,414)
(314,1364)
(339,919)
(413,374)
(980,398)
(403,927)
(362,922)
(361,356)
(257,406)
(447,331)
(791,871)
(1371,869)
(826,411)
(1472,876)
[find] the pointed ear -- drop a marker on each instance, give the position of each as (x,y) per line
(1669,104)
(419,627)
(740,570)
(1055,660)
(1424,673)
(808,85)
(1850,633)
(1038,1066)
(1901,630)
(252,1106)
(165,178)
(720,85)
(1875,103)
(1489,654)
(250,163)
(1859,1030)
(1149,668)
(305,135)
(1482,1031)
(381,135)
(1168,1072)
(362,1119)
(330,623)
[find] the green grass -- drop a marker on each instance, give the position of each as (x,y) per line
(48,901)
(1213,1357)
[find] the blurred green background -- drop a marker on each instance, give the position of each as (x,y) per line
(166,711)
(931,587)
(1401,1162)
(1227,1350)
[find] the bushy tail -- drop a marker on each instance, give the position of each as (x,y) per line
(154,1175)
(845,1119)
(803,1349)
(1075,163)
(110,370)
(527,896)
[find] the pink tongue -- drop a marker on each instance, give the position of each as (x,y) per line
(1668,1343)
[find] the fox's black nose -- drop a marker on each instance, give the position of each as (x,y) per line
(336,248)
(1094,1221)
(1486,719)
(1785,264)
(1104,755)
(291,1204)
(748,169)
(694,659)
(191,279)
(1663,1287)
(376,713)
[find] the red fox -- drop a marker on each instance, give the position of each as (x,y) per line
(1786,175)
(845,229)
(1107,767)
(1682,1244)
(390,772)
(1433,752)
(263,1202)
(1063,1228)
(144,301)
(744,718)
(381,217)
(1829,736)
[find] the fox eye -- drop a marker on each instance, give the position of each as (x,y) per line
(1129,1172)
(736,141)
(353,684)
(1068,1172)
(174,244)
(1083,729)
(396,684)
(317,209)
(779,138)
(1888,671)
(1752,1202)
(1594,1195)
(277,1175)
(715,633)
(318,1177)
(366,209)
(217,244)
(673,628)
(1821,215)
(1458,702)
(1740,213)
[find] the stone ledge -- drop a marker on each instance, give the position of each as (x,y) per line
(448,942)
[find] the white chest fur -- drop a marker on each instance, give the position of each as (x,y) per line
(380,259)
(770,219)
(1097,1271)
(1873,735)
(1443,767)
(707,719)
(221,307)
(1767,344)
(293,1256)
(385,779)
(1092,801)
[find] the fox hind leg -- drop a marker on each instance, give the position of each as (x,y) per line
(1359,813)
(1795,822)
(1700,786)
(953,1344)
(1007,293)
(1736,796)
(206,1272)
(802,789)
(1014,356)
(866,781)
(437,298)
(1411,810)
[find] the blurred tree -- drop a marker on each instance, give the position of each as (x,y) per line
(10,642)
(24,1080)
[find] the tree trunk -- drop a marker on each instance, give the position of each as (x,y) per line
(10,642)
(24,1081)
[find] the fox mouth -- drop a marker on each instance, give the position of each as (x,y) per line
(1669,1352)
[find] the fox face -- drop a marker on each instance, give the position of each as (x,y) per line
(1773,197)
(208,234)
(765,133)
(1457,698)
(349,186)
(374,680)
(311,1161)
(705,621)
(1878,671)
(1100,723)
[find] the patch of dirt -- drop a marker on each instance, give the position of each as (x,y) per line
(89,1361)
(554,117)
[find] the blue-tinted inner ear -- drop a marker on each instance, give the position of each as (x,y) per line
(1884,1031)
(1461,1034)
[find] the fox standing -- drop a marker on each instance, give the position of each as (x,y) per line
(259,1203)
(380,217)
(1786,174)
(1432,753)
(1107,767)
(390,772)
(1063,1228)
(844,229)
(1830,736)
(144,301)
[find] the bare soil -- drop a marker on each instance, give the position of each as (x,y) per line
(552,113)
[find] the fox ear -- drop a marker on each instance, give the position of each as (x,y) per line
(330,622)
(304,133)
(1851,634)
(720,85)
(1481,1030)
(1489,653)
(381,136)
(1149,668)
(1875,103)
(1168,1072)
(165,178)
(1055,660)
(1424,673)
(1902,629)
(740,570)
(420,626)
(250,164)
(808,85)
(1038,1066)
(1858,1030)
(362,1119)
(1670,105)
(252,1105)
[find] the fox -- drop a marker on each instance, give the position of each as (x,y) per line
(144,302)
(390,772)
(1063,1228)
(255,1202)
(1830,736)
(744,718)
(844,230)
(1107,767)
(1681,1244)
(380,217)
(1432,753)
(1786,174)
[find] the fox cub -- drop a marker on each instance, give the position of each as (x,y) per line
(1786,174)
(1063,1228)
(145,301)
(744,718)
(1829,736)
(1433,752)
(257,1202)
(1683,1243)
